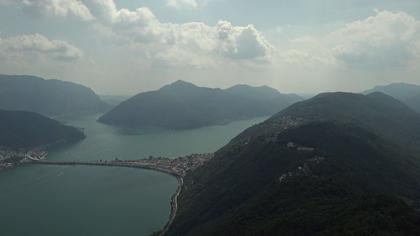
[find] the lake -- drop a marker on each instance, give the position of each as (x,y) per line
(76,200)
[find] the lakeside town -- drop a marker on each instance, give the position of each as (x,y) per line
(10,158)
(179,166)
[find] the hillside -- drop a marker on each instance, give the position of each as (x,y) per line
(320,167)
(182,105)
(407,93)
(19,129)
(47,97)
(376,112)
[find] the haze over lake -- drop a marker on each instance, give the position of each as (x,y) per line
(76,200)
(191,118)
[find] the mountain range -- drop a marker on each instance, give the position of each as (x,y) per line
(47,97)
(182,105)
(407,93)
(336,164)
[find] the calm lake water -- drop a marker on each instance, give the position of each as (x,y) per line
(89,201)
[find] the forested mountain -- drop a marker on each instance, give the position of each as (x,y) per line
(20,129)
(377,112)
(47,97)
(337,164)
(182,105)
(407,93)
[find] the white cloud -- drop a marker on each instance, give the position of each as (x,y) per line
(37,45)
(242,42)
(383,40)
(386,39)
(201,45)
(54,8)
(190,44)
(186,4)
(107,12)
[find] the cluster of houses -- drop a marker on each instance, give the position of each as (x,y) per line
(10,158)
(179,166)
(300,148)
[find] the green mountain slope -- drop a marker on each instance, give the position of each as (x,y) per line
(47,97)
(28,130)
(183,105)
(376,112)
(320,167)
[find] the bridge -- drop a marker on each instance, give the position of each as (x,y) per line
(132,164)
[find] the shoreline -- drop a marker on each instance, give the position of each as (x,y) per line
(174,207)
(178,168)
(174,198)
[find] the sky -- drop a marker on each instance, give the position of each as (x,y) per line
(123,47)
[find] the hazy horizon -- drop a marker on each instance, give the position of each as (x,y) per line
(123,47)
(122,117)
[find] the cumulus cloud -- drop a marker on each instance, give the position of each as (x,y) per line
(186,4)
(37,45)
(74,8)
(242,42)
(388,38)
(107,12)
(198,44)
(191,44)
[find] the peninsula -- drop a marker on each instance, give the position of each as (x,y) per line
(25,135)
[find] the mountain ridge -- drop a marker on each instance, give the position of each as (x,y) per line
(183,105)
(332,106)
(319,167)
(47,97)
(27,130)
(407,93)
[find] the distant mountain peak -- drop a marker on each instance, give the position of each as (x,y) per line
(180,83)
(22,92)
(398,84)
(246,86)
(242,86)
(340,97)
(400,87)
(332,95)
(20,77)
(405,92)
(183,105)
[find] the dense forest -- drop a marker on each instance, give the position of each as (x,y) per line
(320,167)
